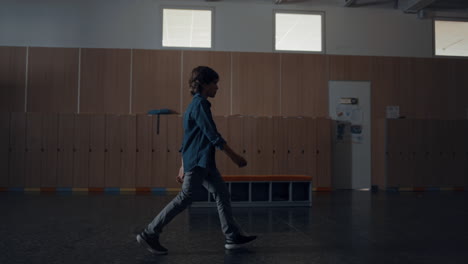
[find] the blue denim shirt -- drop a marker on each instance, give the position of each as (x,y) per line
(200,135)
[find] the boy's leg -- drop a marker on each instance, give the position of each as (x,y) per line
(192,180)
(215,184)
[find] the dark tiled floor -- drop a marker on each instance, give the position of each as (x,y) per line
(341,227)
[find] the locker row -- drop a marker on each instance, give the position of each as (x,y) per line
(427,153)
(97,150)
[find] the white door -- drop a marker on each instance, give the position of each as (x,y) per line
(349,107)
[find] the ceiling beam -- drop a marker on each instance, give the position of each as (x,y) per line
(414,6)
(349,3)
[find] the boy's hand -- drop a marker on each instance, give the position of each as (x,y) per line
(239,160)
(180,177)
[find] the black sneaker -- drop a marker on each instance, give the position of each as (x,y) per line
(239,241)
(152,245)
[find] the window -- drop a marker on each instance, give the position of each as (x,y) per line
(190,28)
(451,38)
(299,31)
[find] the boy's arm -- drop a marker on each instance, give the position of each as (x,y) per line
(236,158)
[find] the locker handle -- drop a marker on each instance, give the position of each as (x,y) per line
(121,150)
(58,149)
(302,151)
(274,151)
(42,149)
(137,150)
(289,151)
(243,151)
(318,151)
(168,151)
(258,151)
(90,150)
(74,149)
(105,150)
(152,150)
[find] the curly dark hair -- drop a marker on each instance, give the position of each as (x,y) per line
(201,75)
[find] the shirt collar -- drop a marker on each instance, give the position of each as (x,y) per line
(198,95)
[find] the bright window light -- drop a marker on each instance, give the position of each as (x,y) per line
(298,32)
(451,38)
(187,28)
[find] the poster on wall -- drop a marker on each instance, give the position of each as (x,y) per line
(356,134)
(393,111)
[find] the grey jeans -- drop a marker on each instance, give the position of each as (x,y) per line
(211,179)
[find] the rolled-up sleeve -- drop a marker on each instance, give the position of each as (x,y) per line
(205,121)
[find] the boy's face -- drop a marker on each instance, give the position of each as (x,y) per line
(210,89)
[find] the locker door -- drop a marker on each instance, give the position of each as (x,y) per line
(81,147)
(4,147)
(324,152)
(311,150)
(280,150)
(128,124)
(143,156)
(18,150)
(97,151)
(50,144)
(112,150)
(296,145)
(159,150)
(264,150)
(66,135)
(34,150)
(174,141)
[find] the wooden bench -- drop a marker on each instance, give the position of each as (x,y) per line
(262,191)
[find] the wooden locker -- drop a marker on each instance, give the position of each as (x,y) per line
(457,157)
(324,152)
(236,142)
(81,150)
(97,151)
(66,135)
(447,159)
(53,80)
(174,141)
(264,152)
(255,83)
(422,174)
(112,150)
(105,81)
(128,157)
(280,150)
(296,145)
(4,147)
(438,162)
(405,178)
(144,138)
(156,80)
(311,150)
(350,68)
(249,138)
(34,150)
(17,160)
(379,153)
(302,76)
(12,78)
(222,159)
(392,153)
(50,144)
(159,150)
